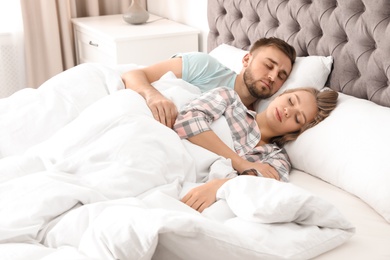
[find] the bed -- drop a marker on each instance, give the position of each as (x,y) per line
(87,173)
(344,160)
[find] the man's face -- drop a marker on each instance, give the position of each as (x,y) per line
(266,70)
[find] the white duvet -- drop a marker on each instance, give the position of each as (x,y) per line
(91,175)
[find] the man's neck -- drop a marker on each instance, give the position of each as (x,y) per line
(243,92)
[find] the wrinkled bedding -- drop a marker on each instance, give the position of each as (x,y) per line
(87,173)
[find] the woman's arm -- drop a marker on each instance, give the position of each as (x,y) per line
(194,123)
(210,141)
(277,158)
(204,195)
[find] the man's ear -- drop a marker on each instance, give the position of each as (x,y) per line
(245,59)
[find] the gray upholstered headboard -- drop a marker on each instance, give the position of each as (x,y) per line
(355,32)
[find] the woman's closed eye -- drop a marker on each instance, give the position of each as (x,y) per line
(297,120)
(291,102)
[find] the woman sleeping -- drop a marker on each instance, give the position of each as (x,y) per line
(257,138)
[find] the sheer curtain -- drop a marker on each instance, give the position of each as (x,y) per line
(49,41)
(12,72)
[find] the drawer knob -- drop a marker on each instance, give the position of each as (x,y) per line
(93,44)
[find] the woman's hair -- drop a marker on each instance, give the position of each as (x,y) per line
(326,102)
(278,43)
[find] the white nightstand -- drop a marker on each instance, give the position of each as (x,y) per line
(110,40)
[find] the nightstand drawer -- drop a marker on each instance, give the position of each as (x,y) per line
(108,39)
(93,49)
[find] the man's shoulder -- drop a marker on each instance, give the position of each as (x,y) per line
(198,56)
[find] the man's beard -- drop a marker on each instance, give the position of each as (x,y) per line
(250,84)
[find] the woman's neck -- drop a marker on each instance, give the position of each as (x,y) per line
(266,133)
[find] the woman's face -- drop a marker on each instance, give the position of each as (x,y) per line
(289,112)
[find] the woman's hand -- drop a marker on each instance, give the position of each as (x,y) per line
(265,169)
(203,196)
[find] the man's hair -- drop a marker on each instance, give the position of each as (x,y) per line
(278,43)
(326,102)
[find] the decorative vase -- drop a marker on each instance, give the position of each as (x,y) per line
(135,14)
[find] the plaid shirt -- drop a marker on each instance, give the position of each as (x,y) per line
(197,117)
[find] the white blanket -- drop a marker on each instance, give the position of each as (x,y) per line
(105,183)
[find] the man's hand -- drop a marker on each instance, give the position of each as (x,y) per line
(163,109)
(203,196)
(140,81)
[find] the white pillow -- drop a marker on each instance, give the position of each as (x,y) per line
(311,71)
(229,56)
(264,200)
(294,214)
(350,150)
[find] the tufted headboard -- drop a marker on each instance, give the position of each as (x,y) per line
(355,32)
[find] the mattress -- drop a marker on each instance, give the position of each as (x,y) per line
(372,237)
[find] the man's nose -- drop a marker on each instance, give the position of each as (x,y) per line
(272,75)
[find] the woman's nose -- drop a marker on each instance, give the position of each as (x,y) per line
(290,111)
(286,112)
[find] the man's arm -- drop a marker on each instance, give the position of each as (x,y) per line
(140,80)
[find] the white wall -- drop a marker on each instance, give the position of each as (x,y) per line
(190,12)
